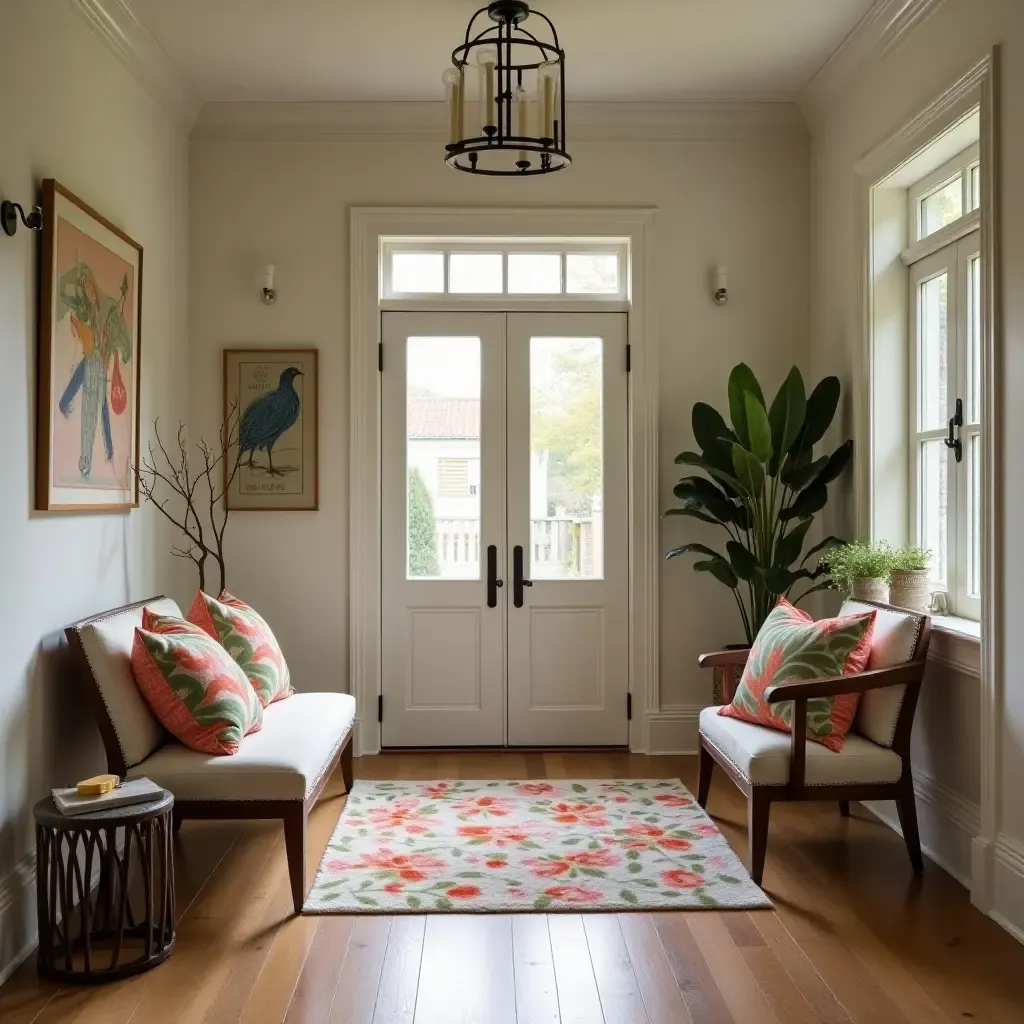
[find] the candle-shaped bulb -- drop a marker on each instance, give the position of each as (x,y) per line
(522,107)
(453,82)
(548,88)
(268,277)
(487,59)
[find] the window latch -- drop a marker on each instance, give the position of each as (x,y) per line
(953,440)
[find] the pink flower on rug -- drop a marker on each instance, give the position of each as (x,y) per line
(639,828)
(464,892)
(593,858)
(535,788)
(517,893)
(495,863)
(680,878)
(572,894)
(393,888)
(705,830)
(671,843)
(437,790)
(547,867)
(400,813)
(673,800)
(488,806)
(411,867)
(500,835)
(592,815)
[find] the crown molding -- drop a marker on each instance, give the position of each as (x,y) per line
(403,122)
(885,27)
(114,23)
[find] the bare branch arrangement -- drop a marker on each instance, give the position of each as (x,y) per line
(203,527)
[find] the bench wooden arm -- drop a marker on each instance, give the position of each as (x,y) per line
(859,682)
(724,658)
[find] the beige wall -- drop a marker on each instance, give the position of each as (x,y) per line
(958,34)
(69,111)
(739,203)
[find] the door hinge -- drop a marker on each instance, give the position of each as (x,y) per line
(629,707)
(380,356)
(629,358)
(380,708)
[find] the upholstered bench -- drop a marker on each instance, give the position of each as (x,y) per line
(278,772)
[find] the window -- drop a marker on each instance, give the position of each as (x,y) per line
(945,318)
(542,269)
(945,195)
(453,478)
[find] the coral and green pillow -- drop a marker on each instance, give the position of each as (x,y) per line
(193,686)
(792,647)
(248,639)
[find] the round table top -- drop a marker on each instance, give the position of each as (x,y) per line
(46,813)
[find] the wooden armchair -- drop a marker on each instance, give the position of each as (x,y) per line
(768,765)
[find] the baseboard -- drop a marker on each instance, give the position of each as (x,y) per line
(1008,885)
(948,824)
(673,730)
(17,915)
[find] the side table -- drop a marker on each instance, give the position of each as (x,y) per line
(126,924)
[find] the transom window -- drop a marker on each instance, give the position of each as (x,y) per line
(945,195)
(592,270)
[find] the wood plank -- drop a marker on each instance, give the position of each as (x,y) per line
(787,1002)
(534,970)
(740,991)
(661,995)
(689,968)
(466,975)
(578,1000)
(400,976)
(742,929)
(359,982)
(621,1001)
(314,993)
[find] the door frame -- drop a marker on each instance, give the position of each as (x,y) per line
(369,227)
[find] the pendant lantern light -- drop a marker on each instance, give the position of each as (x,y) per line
(515,122)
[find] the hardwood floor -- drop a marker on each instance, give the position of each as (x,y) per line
(854,937)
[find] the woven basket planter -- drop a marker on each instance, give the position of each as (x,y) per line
(876,589)
(910,588)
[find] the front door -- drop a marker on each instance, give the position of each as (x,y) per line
(504,529)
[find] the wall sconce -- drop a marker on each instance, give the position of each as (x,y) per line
(10,212)
(721,292)
(269,293)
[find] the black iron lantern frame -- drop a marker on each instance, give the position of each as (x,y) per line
(502,148)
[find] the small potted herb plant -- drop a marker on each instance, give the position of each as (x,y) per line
(860,571)
(910,579)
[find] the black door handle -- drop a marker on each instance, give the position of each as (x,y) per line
(953,440)
(518,580)
(492,576)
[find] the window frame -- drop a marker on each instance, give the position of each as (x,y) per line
(597,246)
(954,259)
(960,166)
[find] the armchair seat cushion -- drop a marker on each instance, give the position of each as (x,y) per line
(283,761)
(761,755)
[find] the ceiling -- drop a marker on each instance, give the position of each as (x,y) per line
(641,50)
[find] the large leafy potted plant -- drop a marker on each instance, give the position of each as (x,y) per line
(763,486)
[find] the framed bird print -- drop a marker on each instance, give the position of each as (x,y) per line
(88,382)
(270,408)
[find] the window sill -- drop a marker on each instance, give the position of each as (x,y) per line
(956,644)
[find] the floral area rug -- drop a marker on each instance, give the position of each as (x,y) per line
(462,846)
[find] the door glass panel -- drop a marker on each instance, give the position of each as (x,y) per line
(933,328)
(974,337)
(934,505)
(534,273)
(474,272)
(417,272)
(942,207)
(591,273)
(974,504)
(442,419)
(566,459)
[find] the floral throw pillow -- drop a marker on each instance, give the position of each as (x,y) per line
(194,688)
(245,635)
(793,647)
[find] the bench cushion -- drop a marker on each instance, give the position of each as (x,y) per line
(283,761)
(107,643)
(762,756)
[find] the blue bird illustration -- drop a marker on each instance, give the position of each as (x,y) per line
(266,419)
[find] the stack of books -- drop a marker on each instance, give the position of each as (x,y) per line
(70,801)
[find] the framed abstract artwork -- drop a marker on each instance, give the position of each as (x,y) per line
(90,301)
(270,402)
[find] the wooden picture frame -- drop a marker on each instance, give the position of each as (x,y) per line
(89,360)
(284,426)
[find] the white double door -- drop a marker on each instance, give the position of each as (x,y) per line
(504,529)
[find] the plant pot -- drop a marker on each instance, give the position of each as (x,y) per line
(910,588)
(874,589)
